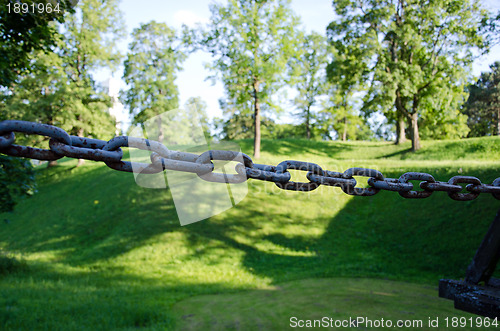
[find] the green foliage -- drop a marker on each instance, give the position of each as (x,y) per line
(23,33)
(441,117)
(150,70)
(240,126)
(17,179)
(198,108)
(483,104)
(308,76)
(251,42)
(59,88)
(89,43)
(339,115)
(415,54)
(45,95)
(187,126)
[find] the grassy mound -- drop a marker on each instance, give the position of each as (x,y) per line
(103,252)
(331,302)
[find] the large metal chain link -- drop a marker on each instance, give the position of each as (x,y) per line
(62,144)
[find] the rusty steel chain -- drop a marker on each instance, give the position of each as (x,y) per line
(62,144)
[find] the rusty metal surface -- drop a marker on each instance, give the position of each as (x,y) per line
(390,184)
(475,182)
(7,139)
(6,127)
(214,155)
(487,255)
(332,179)
(178,165)
(416,176)
(440,186)
(298,165)
(267,173)
(96,154)
(479,300)
(469,295)
(372,173)
(62,144)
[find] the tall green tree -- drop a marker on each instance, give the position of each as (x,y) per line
(196,106)
(251,42)
(308,68)
(408,49)
(339,114)
(59,88)
(90,43)
(22,35)
(152,62)
(345,77)
(24,32)
(17,177)
(483,105)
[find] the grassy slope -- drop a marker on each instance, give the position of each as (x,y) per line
(102,251)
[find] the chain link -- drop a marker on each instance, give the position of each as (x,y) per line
(61,144)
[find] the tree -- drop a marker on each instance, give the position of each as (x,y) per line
(441,117)
(339,114)
(18,179)
(483,105)
(308,68)
(37,96)
(195,106)
(150,70)
(345,78)
(410,49)
(59,88)
(90,43)
(22,33)
(251,42)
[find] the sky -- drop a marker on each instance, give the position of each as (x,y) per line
(315,16)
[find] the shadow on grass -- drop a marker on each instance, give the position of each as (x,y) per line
(402,154)
(92,300)
(97,214)
(384,236)
(380,236)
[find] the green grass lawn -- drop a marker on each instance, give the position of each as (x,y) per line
(99,252)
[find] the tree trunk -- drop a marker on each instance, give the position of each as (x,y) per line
(256,141)
(344,134)
(400,129)
(415,138)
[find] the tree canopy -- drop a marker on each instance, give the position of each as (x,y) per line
(251,42)
(22,33)
(59,88)
(308,76)
(415,54)
(152,62)
(483,104)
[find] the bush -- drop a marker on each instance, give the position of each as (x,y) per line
(17,180)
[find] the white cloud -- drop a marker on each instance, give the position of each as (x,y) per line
(188,17)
